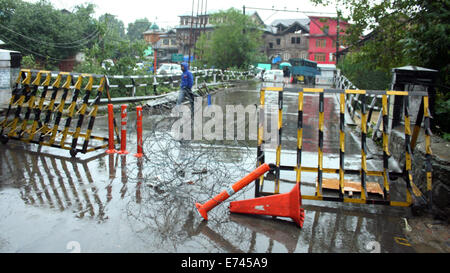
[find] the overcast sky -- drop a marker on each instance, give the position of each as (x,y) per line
(166,12)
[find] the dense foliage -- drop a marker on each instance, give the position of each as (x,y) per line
(46,36)
(398,33)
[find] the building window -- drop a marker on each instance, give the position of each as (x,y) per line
(270,45)
(319,57)
(332,57)
(165,41)
(278,41)
(321,43)
(295,40)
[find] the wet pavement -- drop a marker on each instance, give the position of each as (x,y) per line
(111,203)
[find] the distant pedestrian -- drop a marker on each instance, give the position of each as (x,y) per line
(262,74)
(286,74)
(187,80)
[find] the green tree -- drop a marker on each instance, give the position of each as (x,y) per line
(50,35)
(115,28)
(135,30)
(403,32)
(234,42)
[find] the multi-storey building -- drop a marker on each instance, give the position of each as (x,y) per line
(163,42)
(323,37)
(286,39)
(190,29)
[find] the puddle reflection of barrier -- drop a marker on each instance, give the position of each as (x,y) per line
(363,172)
(43,112)
(64,183)
(328,230)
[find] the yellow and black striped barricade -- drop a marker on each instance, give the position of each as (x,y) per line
(411,191)
(42,118)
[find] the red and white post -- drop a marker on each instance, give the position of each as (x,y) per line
(123,130)
(139,132)
(111,148)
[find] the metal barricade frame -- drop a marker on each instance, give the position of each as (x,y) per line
(43,130)
(410,142)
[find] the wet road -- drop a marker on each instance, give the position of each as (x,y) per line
(111,203)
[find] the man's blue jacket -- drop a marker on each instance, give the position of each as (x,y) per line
(187,80)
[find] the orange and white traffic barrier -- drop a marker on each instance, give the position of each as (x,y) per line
(123,130)
(225,194)
(282,205)
(111,148)
(139,132)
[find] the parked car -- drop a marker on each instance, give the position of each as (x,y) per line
(139,66)
(107,64)
(274,75)
(169,69)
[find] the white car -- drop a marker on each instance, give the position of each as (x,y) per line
(169,69)
(138,66)
(274,75)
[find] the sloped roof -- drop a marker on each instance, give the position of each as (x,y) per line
(288,22)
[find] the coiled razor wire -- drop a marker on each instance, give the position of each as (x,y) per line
(175,175)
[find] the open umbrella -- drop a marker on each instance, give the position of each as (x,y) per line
(285,64)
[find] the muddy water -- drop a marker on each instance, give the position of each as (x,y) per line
(112,203)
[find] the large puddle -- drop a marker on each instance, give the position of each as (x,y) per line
(111,203)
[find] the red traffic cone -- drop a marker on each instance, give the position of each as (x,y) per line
(283,205)
(225,194)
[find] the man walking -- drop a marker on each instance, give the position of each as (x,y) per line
(187,80)
(286,75)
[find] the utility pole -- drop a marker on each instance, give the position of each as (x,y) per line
(337,35)
(190,34)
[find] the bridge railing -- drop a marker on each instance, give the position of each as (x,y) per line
(353,102)
(44,105)
(159,84)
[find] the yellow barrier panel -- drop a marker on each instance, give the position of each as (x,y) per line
(34,94)
(363,172)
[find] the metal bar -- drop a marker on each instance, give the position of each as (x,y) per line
(408,152)
(278,152)
(363,147)
(260,134)
(428,166)
(299,137)
(320,146)
(385,148)
(342,145)
(356,200)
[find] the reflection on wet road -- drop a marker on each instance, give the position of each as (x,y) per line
(113,203)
